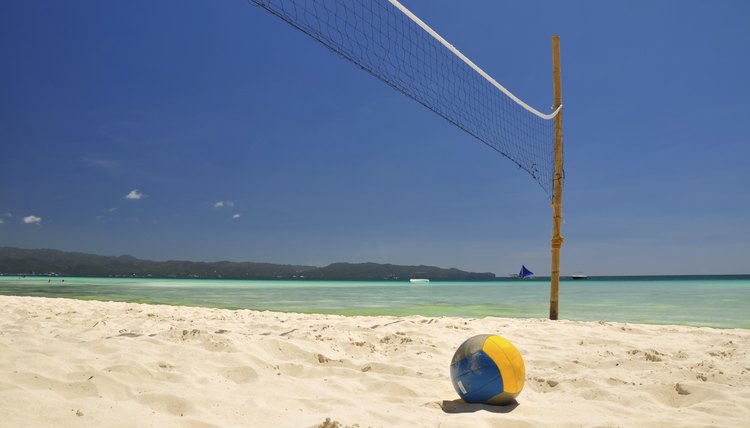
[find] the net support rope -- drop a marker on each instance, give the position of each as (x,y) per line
(388,41)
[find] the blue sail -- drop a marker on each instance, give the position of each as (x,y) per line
(525,273)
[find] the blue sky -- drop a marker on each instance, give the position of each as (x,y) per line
(205,130)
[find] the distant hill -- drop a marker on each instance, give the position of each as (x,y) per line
(16,261)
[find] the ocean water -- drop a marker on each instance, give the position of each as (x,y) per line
(715,301)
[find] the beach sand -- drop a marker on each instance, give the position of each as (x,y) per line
(70,363)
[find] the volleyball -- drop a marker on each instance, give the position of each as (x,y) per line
(488,369)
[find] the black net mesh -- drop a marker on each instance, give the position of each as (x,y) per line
(382,40)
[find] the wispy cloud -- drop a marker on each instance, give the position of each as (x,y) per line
(135,194)
(107,165)
(236,216)
(32,219)
(222,204)
(9,215)
(2,221)
(111,210)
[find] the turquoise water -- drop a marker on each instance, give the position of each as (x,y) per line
(720,301)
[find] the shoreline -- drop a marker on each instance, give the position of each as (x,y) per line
(717,303)
(91,363)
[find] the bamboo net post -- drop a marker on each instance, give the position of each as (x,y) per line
(557,238)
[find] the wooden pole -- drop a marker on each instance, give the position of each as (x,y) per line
(557,239)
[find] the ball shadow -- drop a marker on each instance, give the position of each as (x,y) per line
(460,406)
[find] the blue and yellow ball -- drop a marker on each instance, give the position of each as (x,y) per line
(488,369)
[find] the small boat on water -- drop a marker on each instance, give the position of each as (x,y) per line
(525,273)
(579,275)
(419,281)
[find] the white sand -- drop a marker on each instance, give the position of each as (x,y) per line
(99,364)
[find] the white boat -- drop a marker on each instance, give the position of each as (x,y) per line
(419,281)
(579,275)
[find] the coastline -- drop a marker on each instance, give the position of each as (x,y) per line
(716,302)
(89,363)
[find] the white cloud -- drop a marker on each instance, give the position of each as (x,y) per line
(2,221)
(135,194)
(32,219)
(236,216)
(112,210)
(222,204)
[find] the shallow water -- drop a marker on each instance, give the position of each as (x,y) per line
(717,301)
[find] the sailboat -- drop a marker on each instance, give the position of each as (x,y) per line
(525,273)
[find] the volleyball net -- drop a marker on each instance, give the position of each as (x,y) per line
(388,41)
